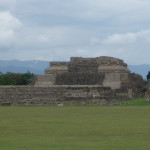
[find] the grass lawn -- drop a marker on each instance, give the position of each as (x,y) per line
(75,128)
(136,102)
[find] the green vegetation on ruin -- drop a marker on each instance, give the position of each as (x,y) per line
(75,127)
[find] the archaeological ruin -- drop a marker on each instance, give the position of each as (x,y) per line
(147,93)
(99,80)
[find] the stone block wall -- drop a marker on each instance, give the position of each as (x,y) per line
(147,93)
(135,82)
(112,80)
(80,78)
(38,95)
(57,68)
(84,66)
(45,80)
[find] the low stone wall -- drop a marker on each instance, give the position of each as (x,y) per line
(40,95)
(45,80)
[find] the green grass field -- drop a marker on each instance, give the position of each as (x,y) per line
(75,127)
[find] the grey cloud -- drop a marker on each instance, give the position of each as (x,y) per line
(131,37)
(58,29)
(7,5)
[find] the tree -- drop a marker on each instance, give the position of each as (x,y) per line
(148,75)
(16,78)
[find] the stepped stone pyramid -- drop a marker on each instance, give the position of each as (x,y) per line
(103,71)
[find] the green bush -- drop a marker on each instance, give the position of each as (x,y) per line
(148,75)
(16,78)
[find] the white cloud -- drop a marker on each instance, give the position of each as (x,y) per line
(8,26)
(87,10)
(58,29)
(120,38)
(131,37)
(63,37)
(101,10)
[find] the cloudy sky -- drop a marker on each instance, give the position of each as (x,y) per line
(59,29)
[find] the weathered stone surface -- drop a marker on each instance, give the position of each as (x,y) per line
(83,65)
(79,78)
(112,80)
(147,93)
(57,67)
(55,94)
(81,81)
(45,80)
(135,83)
(103,71)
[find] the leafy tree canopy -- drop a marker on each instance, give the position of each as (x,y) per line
(16,78)
(148,75)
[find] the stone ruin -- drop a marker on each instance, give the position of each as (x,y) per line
(147,93)
(103,71)
(97,80)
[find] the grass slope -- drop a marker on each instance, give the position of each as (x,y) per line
(75,128)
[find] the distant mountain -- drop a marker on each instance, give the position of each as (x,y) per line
(17,66)
(37,67)
(140,69)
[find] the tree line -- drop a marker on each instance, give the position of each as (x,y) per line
(10,78)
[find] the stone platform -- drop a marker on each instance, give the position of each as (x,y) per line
(41,95)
